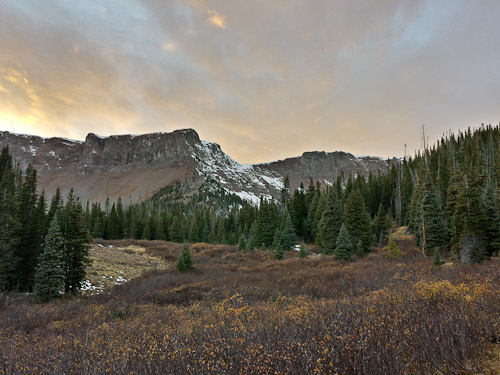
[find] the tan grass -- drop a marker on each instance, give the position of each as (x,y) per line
(116,265)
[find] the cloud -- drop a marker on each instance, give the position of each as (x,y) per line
(285,77)
(168,46)
(216,19)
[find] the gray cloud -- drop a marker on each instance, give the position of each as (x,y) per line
(264,79)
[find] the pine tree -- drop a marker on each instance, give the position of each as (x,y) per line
(298,211)
(9,224)
(393,251)
(55,205)
(242,244)
(50,271)
(302,251)
(185,262)
(28,249)
(437,260)
(379,224)
(330,223)
(344,249)
(160,230)
(113,232)
(357,221)
(286,234)
(76,243)
(176,234)
(434,227)
(491,220)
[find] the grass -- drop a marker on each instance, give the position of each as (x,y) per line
(115,264)
(246,313)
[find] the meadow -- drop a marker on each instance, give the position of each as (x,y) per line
(246,313)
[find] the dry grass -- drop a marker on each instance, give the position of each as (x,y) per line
(115,264)
(246,313)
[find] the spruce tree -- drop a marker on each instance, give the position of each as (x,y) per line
(50,271)
(330,223)
(437,260)
(185,262)
(242,244)
(393,251)
(434,227)
(9,226)
(379,224)
(286,234)
(302,251)
(344,249)
(357,222)
(491,220)
(113,232)
(76,243)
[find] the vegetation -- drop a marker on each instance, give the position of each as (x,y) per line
(34,256)
(185,261)
(248,313)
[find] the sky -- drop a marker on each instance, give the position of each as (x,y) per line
(264,79)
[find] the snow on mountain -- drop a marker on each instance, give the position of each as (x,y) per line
(246,181)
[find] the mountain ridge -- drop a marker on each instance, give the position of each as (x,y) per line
(136,166)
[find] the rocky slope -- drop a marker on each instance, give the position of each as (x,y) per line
(135,167)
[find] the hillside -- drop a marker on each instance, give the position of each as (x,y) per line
(134,167)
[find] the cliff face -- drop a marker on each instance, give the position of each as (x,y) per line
(116,153)
(325,166)
(135,167)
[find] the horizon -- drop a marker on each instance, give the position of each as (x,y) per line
(262,80)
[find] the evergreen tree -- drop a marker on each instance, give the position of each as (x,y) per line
(160,230)
(242,244)
(55,205)
(357,221)
(437,260)
(379,224)
(491,220)
(298,211)
(330,223)
(185,262)
(76,243)
(302,251)
(434,228)
(176,234)
(393,251)
(311,222)
(9,224)
(29,245)
(113,232)
(286,237)
(50,271)
(344,249)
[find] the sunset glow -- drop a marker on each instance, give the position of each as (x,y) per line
(265,80)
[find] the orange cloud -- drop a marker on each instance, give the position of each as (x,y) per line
(216,19)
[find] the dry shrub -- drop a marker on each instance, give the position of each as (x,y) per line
(243,313)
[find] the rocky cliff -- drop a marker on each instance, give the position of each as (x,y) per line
(135,167)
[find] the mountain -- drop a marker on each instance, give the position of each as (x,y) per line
(136,166)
